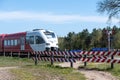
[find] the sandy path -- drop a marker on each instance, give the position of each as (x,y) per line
(5,73)
(97,75)
(91,74)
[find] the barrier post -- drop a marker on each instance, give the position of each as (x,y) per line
(28,55)
(112,64)
(51,58)
(85,63)
(11,54)
(36,62)
(19,55)
(4,53)
(71,63)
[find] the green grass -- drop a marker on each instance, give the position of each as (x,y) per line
(15,61)
(47,72)
(43,71)
(105,67)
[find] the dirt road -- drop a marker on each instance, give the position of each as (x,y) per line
(97,75)
(91,74)
(5,73)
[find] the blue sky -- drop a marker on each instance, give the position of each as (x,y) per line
(60,16)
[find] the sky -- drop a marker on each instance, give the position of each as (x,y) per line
(60,16)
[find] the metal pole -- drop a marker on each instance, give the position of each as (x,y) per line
(36,62)
(4,53)
(28,55)
(85,63)
(112,64)
(112,57)
(19,54)
(71,63)
(108,40)
(109,48)
(51,58)
(11,54)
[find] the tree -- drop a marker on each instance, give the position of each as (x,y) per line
(117,40)
(61,41)
(88,41)
(68,42)
(96,37)
(112,7)
(104,38)
(85,40)
(84,34)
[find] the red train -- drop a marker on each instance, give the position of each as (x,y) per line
(36,40)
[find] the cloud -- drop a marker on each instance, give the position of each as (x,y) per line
(50,17)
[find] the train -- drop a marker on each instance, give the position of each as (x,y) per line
(35,40)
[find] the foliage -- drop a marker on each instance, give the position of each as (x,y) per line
(112,7)
(85,40)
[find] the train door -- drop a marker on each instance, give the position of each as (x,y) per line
(36,43)
(39,43)
(22,43)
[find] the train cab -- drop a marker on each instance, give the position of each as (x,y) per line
(42,40)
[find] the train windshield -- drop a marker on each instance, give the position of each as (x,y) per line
(49,34)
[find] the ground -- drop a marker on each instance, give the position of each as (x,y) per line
(5,73)
(91,74)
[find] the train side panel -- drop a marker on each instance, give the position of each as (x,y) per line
(1,42)
(16,43)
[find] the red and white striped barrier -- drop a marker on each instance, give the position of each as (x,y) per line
(56,59)
(100,60)
(85,56)
(100,57)
(109,53)
(58,53)
(74,54)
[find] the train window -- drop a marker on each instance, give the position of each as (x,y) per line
(39,40)
(15,42)
(49,34)
(31,39)
(27,40)
(5,42)
(8,42)
(12,43)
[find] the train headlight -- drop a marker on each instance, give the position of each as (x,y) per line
(47,43)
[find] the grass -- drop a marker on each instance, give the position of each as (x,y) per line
(47,72)
(43,71)
(15,61)
(105,67)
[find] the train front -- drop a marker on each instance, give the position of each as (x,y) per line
(51,40)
